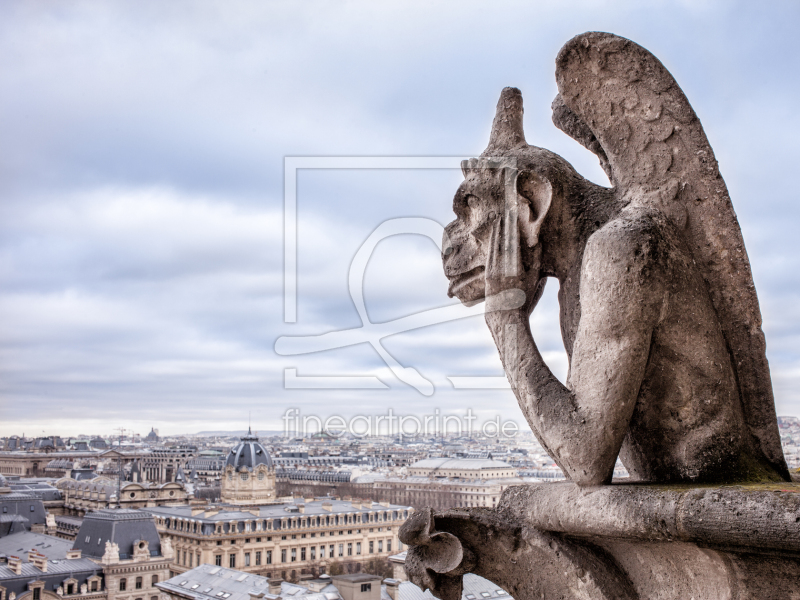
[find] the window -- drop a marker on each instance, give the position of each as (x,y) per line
(258,558)
(154,580)
(302,553)
(33,508)
(283,555)
(191,558)
(341,549)
(246,559)
(371,547)
(218,560)
(269,557)
(349,548)
(380,545)
(138,583)
(322,552)
(245,476)
(37,593)
(358,547)
(366,587)
(70,589)
(388,545)
(261,476)
(232,561)
(123,584)
(94,585)
(294,554)
(313,552)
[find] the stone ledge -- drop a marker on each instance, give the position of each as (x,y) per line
(623,541)
(764,517)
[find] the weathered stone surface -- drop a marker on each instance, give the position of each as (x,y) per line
(659,314)
(620,541)
(668,369)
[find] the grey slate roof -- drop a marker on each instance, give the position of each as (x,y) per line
(24,505)
(248,453)
(57,572)
(19,544)
(122,526)
(208,582)
(460,463)
(271,511)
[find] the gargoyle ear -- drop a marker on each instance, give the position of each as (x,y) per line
(534,195)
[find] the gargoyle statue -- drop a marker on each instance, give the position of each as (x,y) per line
(659,314)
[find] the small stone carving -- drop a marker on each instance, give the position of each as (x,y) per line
(111,554)
(166,547)
(659,314)
(668,369)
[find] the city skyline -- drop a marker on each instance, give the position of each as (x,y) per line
(142,220)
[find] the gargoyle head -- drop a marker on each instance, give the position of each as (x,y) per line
(505,183)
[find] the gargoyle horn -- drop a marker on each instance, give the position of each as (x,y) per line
(507,133)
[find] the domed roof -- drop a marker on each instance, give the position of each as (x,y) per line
(248,453)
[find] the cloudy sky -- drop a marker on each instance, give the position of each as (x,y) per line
(142,174)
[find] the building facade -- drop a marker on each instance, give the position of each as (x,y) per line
(283,540)
(249,475)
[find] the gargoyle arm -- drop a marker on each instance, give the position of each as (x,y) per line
(623,294)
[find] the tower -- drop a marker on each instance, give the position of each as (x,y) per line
(249,475)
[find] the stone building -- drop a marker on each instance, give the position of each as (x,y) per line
(249,475)
(117,555)
(127,545)
(47,572)
(80,497)
(161,464)
(462,468)
(284,540)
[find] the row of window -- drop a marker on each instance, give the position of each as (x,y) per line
(306,553)
(287,523)
(138,583)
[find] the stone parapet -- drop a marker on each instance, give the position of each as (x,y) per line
(617,541)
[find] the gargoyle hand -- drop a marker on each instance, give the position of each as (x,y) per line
(435,560)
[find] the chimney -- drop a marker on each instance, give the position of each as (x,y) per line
(356,503)
(392,588)
(255,594)
(327,506)
(308,500)
(74,553)
(301,508)
(15,564)
(275,586)
(39,561)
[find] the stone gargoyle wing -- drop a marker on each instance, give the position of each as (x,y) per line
(620,102)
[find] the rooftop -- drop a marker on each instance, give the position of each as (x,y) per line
(19,544)
(272,511)
(460,463)
(208,582)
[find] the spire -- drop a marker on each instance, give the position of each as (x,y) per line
(507,132)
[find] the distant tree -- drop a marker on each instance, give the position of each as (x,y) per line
(335,568)
(379,566)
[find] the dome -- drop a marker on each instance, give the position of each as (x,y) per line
(248,453)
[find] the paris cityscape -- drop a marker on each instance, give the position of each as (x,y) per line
(399,301)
